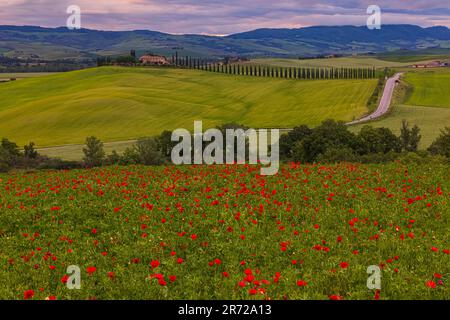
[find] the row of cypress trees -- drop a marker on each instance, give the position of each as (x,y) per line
(275,72)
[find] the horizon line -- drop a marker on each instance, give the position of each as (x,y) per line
(218,35)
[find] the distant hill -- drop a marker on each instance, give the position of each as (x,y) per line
(59,43)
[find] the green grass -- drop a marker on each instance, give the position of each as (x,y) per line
(430,88)
(411,56)
(117,104)
(75,152)
(430,120)
(123,225)
(18,76)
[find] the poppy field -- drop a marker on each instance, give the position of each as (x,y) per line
(225,232)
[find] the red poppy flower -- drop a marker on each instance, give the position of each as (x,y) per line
(65,278)
(91,270)
(28,294)
(336,297)
(377,295)
(343,265)
(302,283)
(252,291)
(154,264)
(430,284)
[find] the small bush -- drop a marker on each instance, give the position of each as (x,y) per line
(94,155)
(441,146)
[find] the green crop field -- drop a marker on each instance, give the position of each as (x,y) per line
(430,88)
(117,104)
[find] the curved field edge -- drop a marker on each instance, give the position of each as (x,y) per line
(117,104)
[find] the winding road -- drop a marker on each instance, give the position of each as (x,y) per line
(385,102)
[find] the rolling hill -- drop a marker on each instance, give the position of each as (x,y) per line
(117,104)
(60,43)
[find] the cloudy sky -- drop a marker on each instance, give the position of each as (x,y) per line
(220,17)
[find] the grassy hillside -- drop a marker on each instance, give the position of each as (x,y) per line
(422,99)
(23,75)
(416,55)
(118,104)
(430,88)
(430,120)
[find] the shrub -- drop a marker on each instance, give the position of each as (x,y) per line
(146,151)
(287,141)
(378,140)
(29,151)
(5,161)
(441,146)
(94,154)
(410,138)
(329,134)
(165,144)
(422,159)
(337,155)
(113,158)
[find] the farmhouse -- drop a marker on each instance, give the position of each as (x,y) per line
(154,60)
(433,64)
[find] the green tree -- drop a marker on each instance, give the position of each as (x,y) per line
(378,140)
(329,134)
(10,147)
(410,138)
(165,144)
(441,146)
(287,141)
(30,152)
(94,154)
(146,151)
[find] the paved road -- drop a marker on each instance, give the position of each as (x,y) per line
(385,102)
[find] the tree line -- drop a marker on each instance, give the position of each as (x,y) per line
(274,71)
(330,142)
